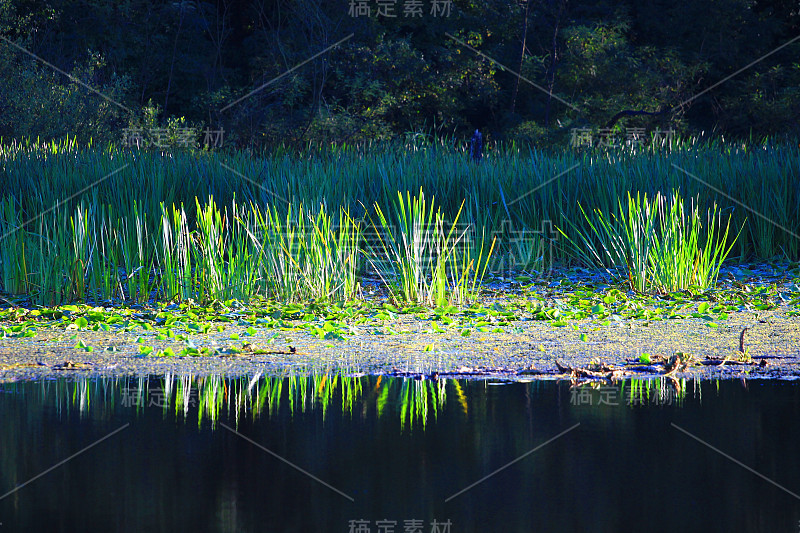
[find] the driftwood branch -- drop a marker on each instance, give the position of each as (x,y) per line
(604,372)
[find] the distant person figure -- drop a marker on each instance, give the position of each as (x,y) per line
(476,146)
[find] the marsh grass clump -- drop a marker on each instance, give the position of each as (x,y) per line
(661,245)
(304,255)
(248,252)
(421,258)
(211,253)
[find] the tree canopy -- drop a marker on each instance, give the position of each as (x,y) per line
(271,72)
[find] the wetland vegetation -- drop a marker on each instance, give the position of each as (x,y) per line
(170,227)
(336,244)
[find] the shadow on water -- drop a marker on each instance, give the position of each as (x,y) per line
(328,452)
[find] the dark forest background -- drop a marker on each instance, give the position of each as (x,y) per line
(179,64)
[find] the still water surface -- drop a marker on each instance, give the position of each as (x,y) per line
(367,454)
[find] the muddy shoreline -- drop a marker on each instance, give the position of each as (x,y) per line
(748,326)
(527,350)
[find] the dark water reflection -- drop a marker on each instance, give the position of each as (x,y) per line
(321,453)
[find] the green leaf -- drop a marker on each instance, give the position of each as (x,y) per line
(145,350)
(82,346)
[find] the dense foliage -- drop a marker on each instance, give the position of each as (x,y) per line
(195,61)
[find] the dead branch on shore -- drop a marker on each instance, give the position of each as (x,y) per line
(601,372)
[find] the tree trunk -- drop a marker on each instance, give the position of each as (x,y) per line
(521,54)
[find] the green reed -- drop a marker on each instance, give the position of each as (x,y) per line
(143,226)
(421,258)
(413,250)
(661,245)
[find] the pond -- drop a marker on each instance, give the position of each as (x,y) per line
(337,453)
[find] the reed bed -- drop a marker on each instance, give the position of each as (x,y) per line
(422,260)
(102,224)
(661,245)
